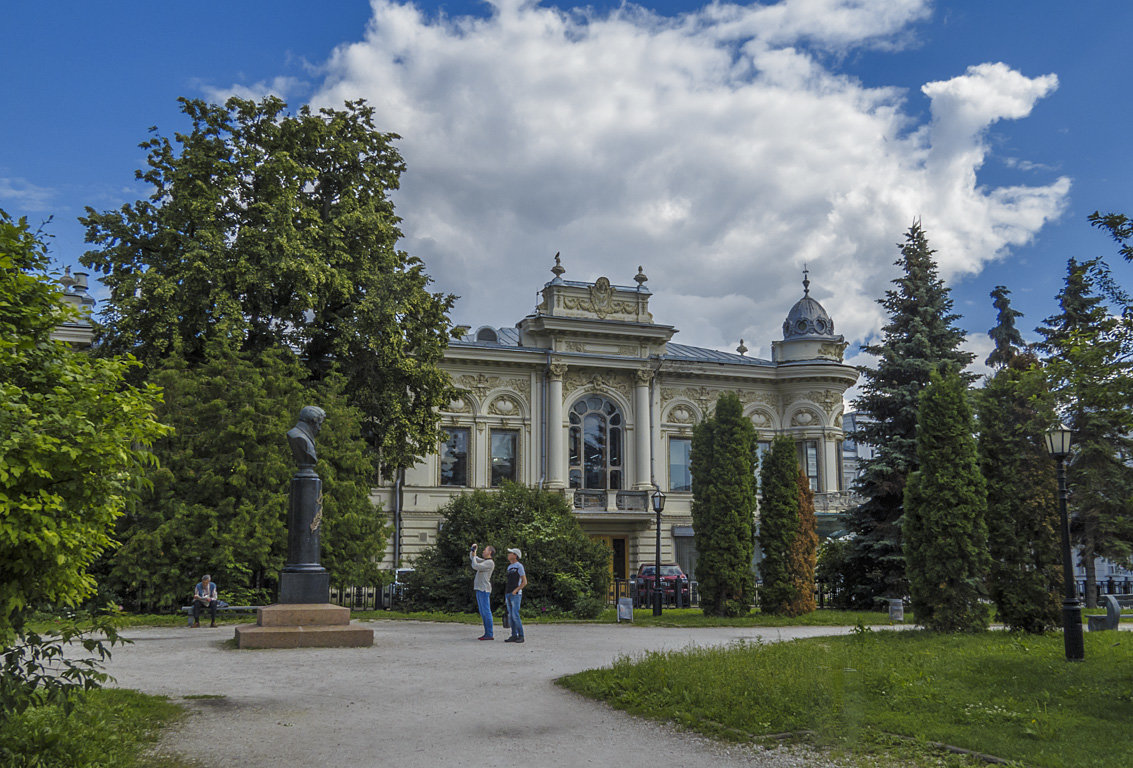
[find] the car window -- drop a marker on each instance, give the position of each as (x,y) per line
(671,570)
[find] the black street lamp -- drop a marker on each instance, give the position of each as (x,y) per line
(1058,444)
(658,505)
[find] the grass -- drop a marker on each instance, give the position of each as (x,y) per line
(888,695)
(109,728)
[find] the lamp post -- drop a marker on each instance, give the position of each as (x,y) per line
(1058,445)
(658,499)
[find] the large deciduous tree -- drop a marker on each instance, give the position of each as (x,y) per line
(74,440)
(219,500)
(1086,348)
(723,508)
(944,525)
(920,336)
(266,230)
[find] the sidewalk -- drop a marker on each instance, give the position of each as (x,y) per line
(425,695)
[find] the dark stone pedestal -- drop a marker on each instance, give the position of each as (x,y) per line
(304,586)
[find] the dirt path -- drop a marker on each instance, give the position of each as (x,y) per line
(425,695)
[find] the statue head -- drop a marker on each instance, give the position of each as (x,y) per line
(314,416)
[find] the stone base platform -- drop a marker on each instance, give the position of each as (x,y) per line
(303,625)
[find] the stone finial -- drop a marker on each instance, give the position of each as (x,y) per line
(66,280)
(558,269)
(741,348)
(640,277)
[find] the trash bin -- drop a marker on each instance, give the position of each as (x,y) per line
(897,609)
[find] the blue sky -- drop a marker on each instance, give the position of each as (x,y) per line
(720,147)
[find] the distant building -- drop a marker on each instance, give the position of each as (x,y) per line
(589,396)
(79,332)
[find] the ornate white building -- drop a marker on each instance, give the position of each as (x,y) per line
(590,397)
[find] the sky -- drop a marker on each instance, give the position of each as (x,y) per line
(721,147)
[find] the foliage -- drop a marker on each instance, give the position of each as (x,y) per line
(273,230)
(1120,228)
(566,571)
(803,554)
(41,669)
(830,568)
(73,441)
(778,525)
(997,693)
(219,500)
(920,335)
(1008,341)
(723,508)
(1015,409)
(109,728)
(945,527)
(1090,373)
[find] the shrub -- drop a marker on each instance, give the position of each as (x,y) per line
(566,571)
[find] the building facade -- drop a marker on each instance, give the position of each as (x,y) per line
(589,396)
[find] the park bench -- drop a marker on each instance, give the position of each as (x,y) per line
(1114,605)
(222,607)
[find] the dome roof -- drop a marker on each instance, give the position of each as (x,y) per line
(807,319)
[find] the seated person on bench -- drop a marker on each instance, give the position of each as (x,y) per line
(204,598)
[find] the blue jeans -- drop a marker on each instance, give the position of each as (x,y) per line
(485,608)
(513,602)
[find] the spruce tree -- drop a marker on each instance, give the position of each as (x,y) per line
(723,508)
(1015,409)
(803,555)
(921,335)
(778,525)
(1008,340)
(1090,373)
(944,526)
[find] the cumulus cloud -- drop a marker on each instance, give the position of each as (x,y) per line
(720,149)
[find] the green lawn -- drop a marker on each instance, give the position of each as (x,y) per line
(997,693)
(109,728)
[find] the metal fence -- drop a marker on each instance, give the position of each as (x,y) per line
(643,598)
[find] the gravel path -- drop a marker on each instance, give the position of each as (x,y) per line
(426,694)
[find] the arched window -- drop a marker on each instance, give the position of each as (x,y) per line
(597,432)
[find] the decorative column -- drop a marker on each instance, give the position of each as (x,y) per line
(641,428)
(556,466)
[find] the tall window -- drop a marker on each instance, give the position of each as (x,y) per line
(454,458)
(808,458)
(680,468)
(597,433)
(762,447)
(504,444)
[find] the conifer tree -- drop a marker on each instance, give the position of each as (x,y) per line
(723,508)
(1015,408)
(778,525)
(803,555)
(1091,377)
(921,335)
(1008,340)
(944,526)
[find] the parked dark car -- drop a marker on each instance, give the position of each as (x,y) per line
(674,582)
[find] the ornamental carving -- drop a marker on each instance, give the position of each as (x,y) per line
(482,384)
(804,419)
(459,405)
(681,415)
(749,397)
(830,400)
(597,382)
(504,406)
(643,376)
(832,351)
(761,419)
(558,370)
(624,350)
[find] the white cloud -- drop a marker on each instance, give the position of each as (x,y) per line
(20,196)
(720,149)
(284,87)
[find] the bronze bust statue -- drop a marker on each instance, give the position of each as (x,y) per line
(301,437)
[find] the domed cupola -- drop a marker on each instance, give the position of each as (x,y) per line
(807,319)
(808,332)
